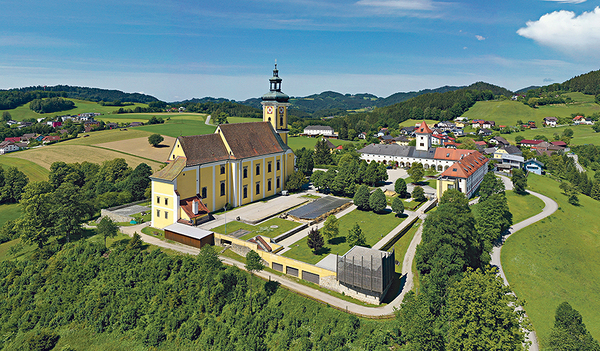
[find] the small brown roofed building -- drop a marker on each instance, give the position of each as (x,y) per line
(26,137)
(50,139)
(135,124)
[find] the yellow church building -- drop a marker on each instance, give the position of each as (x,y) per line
(238,164)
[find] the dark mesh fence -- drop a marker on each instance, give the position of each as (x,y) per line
(318,207)
(367,272)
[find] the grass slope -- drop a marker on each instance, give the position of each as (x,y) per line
(365,219)
(32,170)
(557,260)
(582,134)
(9,212)
(81,106)
(508,112)
(181,125)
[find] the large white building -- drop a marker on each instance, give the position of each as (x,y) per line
(319,130)
(439,158)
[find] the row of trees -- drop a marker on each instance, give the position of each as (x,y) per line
(85,93)
(316,238)
(462,303)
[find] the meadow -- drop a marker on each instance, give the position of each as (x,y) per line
(47,155)
(508,112)
(32,170)
(557,260)
(81,106)
(339,245)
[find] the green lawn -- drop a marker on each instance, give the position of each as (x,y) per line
(413,122)
(523,206)
(426,181)
(105,136)
(181,125)
(401,246)
(366,219)
(9,212)
(263,229)
(557,260)
(5,250)
(33,171)
(22,112)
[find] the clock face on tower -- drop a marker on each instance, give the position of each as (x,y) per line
(269,109)
(281,110)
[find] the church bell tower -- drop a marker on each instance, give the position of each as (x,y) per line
(275,104)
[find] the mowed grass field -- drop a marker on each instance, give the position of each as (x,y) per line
(140,147)
(508,112)
(582,134)
(22,112)
(556,260)
(339,245)
(47,155)
(32,170)
(9,212)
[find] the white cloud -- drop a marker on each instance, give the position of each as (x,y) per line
(568,1)
(479,37)
(564,31)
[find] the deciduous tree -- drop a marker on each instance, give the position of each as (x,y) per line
(36,224)
(361,198)
(416,172)
(418,194)
(331,227)
(490,185)
(155,139)
(107,228)
(519,180)
(356,236)
(377,201)
(295,181)
(569,332)
(482,314)
(400,187)
(398,205)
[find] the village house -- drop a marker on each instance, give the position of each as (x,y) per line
(498,140)
(50,139)
(529,143)
(534,166)
(550,121)
(8,146)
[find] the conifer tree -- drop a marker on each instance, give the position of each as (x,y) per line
(361,198)
(315,241)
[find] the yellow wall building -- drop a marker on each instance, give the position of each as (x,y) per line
(238,164)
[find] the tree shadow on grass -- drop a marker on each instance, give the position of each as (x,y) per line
(323,251)
(338,240)
(402,215)
(384,212)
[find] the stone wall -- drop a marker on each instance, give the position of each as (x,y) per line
(332,283)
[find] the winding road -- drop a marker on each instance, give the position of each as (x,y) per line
(388,310)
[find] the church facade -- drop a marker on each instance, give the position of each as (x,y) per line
(238,164)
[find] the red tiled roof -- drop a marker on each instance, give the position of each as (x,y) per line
(187,207)
(442,153)
(532,142)
(559,143)
(465,167)
(13,139)
(423,129)
(481,143)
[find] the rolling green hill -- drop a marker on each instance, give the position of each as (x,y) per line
(81,106)
(508,112)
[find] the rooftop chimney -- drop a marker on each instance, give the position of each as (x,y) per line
(195,207)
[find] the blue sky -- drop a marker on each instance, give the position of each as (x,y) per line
(177,50)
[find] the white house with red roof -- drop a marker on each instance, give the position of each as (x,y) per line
(465,175)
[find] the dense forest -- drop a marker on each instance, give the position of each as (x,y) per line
(588,83)
(54,104)
(228,107)
(181,301)
(10,99)
(92,94)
